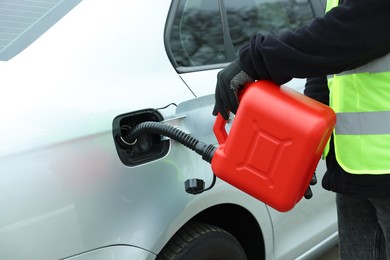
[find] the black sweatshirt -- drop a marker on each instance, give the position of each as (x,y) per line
(348,36)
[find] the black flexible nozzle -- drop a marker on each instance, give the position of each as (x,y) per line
(206,151)
(192,186)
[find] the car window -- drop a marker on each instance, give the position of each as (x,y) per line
(205,32)
(196,37)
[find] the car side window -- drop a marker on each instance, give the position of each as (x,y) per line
(248,17)
(207,32)
(196,36)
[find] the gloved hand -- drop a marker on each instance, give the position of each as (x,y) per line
(309,193)
(229,81)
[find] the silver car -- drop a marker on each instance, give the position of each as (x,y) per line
(76,73)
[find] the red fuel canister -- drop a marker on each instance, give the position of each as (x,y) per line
(274,143)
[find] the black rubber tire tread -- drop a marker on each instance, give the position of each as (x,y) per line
(200,241)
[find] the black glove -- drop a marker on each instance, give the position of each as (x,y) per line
(229,81)
(309,193)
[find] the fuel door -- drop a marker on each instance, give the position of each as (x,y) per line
(147,147)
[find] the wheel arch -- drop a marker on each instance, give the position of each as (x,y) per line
(240,223)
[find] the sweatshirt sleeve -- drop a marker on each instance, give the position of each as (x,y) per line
(317,88)
(346,37)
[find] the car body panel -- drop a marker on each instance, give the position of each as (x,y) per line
(59,166)
(118,252)
(64,191)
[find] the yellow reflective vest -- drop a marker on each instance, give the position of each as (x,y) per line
(361,100)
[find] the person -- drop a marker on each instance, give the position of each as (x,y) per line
(345,58)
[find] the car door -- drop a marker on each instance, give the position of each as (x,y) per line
(205,35)
(75,75)
(68,67)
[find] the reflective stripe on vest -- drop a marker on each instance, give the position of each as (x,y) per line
(361,100)
(363,123)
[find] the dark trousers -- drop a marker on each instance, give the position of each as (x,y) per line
(364,227)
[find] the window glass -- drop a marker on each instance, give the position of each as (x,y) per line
(206,32)
(247,17)
(196,36)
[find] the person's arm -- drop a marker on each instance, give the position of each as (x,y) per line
(317,88)
(346,37)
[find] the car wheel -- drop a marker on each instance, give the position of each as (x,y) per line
(199,241)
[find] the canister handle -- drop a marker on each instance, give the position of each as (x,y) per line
(219,129)
(220,123)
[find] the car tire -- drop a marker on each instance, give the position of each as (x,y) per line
(200,241)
